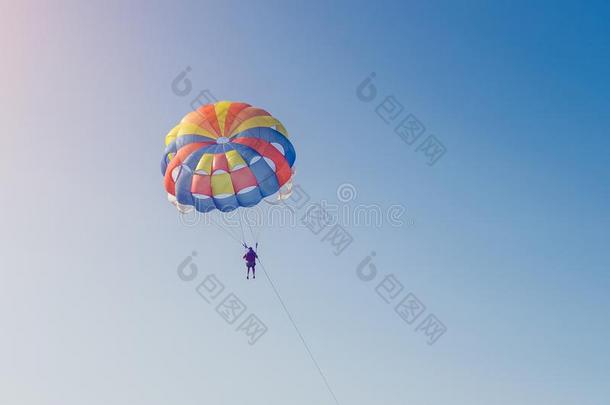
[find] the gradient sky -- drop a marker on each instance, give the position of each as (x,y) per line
(505,237)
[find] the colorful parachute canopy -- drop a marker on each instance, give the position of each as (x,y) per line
(226,155)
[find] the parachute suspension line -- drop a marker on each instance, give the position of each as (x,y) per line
(241,227)
(260,228)
(224,230)
(254,237)
(258,234)
(298,331)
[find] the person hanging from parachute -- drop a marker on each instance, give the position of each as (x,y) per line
(224,156)
(250,258)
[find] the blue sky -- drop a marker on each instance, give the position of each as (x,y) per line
(504,237)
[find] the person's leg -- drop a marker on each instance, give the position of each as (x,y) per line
(247,272)
(253,271)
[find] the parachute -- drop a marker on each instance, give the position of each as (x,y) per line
(227,155)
